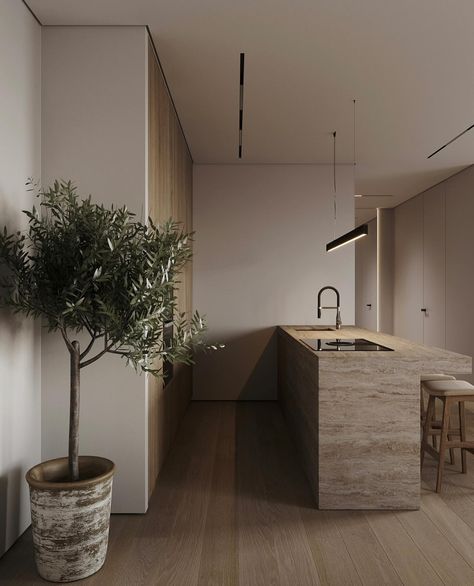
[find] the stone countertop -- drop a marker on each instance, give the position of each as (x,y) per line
(424,358)
(355,415)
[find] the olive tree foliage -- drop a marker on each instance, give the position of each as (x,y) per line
(82,266)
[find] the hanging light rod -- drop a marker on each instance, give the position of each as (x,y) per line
(355,234)
(241,100)
(360,231)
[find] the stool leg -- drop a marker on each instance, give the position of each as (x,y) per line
(427,427)
(462,431)
(452,460)
(422,407)
(442,442)
(434,439)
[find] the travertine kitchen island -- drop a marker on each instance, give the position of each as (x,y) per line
(355,416)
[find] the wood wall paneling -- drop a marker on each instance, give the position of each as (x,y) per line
(169,196)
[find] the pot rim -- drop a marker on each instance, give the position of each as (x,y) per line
(70,485)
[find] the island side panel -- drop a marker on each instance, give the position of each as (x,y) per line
(297,394)
(369,434)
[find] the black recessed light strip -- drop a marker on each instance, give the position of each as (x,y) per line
(241,101)
(450,141)
(32,13)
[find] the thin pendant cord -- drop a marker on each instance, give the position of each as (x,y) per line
(334,181)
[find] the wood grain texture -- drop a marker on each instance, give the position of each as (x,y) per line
(232,506)
(169,196)
(355,416)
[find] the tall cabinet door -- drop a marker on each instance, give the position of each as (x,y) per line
(434,266)
(366,279)
(408,297)
(460,263)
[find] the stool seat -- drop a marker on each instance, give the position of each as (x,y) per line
(448,388)
(449,392)
(438,376)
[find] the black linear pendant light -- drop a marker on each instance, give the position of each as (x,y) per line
(358,232)
(348,237)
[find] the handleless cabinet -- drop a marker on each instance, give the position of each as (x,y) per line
(408,287)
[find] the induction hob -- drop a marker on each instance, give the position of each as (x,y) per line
(344,345)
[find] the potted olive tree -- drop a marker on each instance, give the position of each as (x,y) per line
(87,270)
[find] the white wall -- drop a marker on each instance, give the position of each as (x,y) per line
(95,133)
(260,259)
(20,142)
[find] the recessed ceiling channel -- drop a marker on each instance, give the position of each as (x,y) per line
(241,101)
(450,141)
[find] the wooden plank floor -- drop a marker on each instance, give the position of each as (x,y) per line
(232,507)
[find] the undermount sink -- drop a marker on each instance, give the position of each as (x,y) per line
(314,329)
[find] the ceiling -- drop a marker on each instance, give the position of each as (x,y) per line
(407,63)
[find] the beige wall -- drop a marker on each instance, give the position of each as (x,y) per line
(366,279)
(20,368)
(95,133)
(260,259)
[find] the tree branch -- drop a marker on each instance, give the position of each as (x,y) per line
(85,321)
(98,355)
(68,342)
(89,346)
(118,352)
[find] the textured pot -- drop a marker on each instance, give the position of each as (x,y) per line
(70,520)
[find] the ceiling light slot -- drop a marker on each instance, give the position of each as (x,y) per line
(241,100)
(450,141)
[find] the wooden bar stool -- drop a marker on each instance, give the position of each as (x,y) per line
(424,378)
(448,392)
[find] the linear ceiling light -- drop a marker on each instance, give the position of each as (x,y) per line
(241,101)
(450,141)
(348,237)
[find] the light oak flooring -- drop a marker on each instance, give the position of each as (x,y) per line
(232,506)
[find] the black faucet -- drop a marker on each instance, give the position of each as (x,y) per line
(337,307)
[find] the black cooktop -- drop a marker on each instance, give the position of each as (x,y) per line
(345,345)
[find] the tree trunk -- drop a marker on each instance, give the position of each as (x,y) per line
(74,413)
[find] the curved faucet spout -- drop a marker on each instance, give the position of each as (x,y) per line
(337,307)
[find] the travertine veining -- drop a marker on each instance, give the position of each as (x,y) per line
(355,416)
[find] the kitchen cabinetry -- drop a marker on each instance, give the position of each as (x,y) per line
(459,262)
(408,285)
(366,281)
(420,268)
(434,267)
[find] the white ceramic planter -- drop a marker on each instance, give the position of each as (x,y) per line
(70,520)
